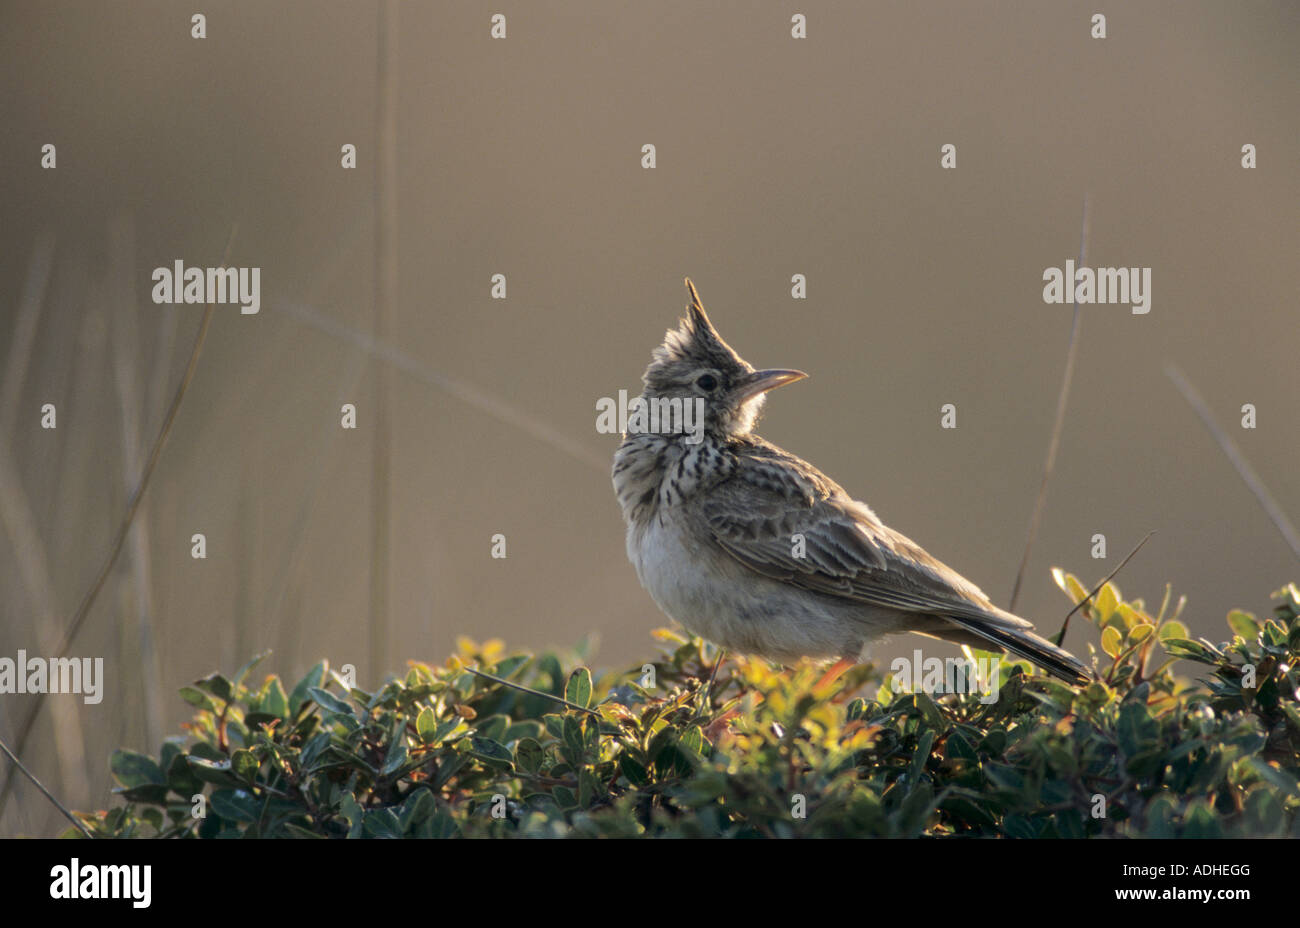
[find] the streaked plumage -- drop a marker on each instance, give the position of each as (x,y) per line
(712,532)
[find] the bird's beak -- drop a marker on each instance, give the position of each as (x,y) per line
(762,381)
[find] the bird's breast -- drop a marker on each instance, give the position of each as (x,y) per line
(681,575)
(712,595)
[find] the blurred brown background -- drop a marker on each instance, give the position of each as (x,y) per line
(522,157)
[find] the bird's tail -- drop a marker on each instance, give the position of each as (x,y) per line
(1031,646)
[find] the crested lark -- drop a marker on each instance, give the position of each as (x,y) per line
(760,552)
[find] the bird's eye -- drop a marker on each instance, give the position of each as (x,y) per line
(707,382)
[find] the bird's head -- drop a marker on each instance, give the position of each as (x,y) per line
(694,363)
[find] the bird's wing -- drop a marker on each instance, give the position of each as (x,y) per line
(846,551)
(775,508)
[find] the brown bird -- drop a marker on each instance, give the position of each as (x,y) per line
(760,552)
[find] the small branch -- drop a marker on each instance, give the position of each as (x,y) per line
(1065,626)
(79,619)
(1071,353)
(532,692)
(500,409)
(1244,470)
(48,795)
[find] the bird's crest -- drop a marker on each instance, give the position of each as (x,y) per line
(695,342)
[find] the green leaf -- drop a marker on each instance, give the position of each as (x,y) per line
(1133,727)
(1111,642)
(1069,585)
(196,697)
(418,806)
(243,671)
(572,745)
(1243,624)
(426,724)
(154,817)
(929,711)
(529,755)
(917,767)
(447,729)
(439,825)
(382,823)
(635,772)
(273,699)
(588,789)
(578,689)
(255,720)
(218,772)
(148,794)
(397,757)
(244,765)
(353,814)
(329,702)
(1276,776)
(300,694)
(487,749)
(957,747)
(234,805)
(1105,603)
(208,751)
(181,780)
(1129,616)
(508,667)
(1172,629)
(1140,633)
(1273,633)
(297,831)
(1185,647)
(217,685)
(131,770)
(494,727)
(591,737)
(1264,812)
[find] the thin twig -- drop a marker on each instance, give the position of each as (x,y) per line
(127,363)
(13,758)
(79,618)
(24,330)
(386,295)
(532,692)
(1229,447)
(1065,626)
(1071,353)
(498,408)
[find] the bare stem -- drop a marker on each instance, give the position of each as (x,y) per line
(79,619)
(13,758)
(1244,470)
(1071,354)
(532,692)
(1065,626)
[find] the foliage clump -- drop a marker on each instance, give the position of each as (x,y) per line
(447,752)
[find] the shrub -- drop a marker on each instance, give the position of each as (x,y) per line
(447,752)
